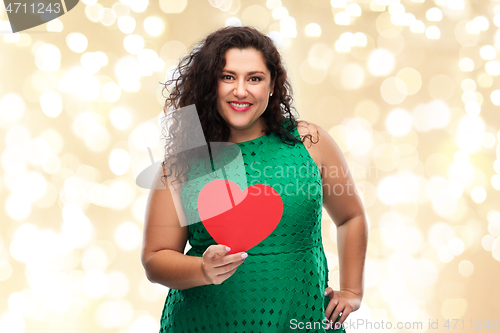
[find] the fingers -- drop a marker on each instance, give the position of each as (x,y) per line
(217,251)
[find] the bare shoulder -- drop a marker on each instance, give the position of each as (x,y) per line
(309,132)
(320,144)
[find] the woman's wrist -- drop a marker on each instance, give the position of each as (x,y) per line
(207,278)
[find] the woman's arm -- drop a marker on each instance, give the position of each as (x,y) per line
(164,241)
(344,206)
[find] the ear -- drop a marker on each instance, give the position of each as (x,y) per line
(272,84)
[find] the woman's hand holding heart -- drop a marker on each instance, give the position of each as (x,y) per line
(218,265)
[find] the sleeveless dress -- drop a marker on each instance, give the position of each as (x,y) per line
(280,286)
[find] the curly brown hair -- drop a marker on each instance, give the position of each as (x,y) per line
(195,81)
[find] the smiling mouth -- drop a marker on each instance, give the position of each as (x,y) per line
(240,105)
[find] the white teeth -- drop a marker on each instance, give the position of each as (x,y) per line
(240,105)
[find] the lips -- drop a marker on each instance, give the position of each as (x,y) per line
(239,109)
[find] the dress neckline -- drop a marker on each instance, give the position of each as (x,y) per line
(253,140)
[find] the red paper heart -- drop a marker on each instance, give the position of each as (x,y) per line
(239,219)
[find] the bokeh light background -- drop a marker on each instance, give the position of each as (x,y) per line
(408,89)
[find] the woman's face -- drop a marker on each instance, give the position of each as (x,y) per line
(244,86)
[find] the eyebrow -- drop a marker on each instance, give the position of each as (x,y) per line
(250,73)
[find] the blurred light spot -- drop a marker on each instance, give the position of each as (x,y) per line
(461,156)
(322,53)
(152,292)
(461,172)
(94,257)
(111,92)
(393,90)
(411,78)
(478,194)
(386,158)
(111,314)
(455,190)
(92,12)
(139,6)
(342,18)
(313,73)
(77,42)
(358,136)
(120,118)
(76,228)
(492,67)
(496,165)
(495,97)
(12,107)
(381,62)
(173,6)
(48,58)
(437,114)
(5,270)
(12,322)
(466,268)
(398,122)
(469,133)
(235,22)
(128,71)
(488,52)
(91,62)
(119,161)
(126,24)
(488,140)
(288,27)
(280,13)
(338,3)
(481,23)
(17,207)
(133,43)
(434,14)
(433,32)
(313,29)
(487,242)
(80,83)
(495,182)
(360,39)
(417,27)
(352,76)
(457,246)
(120,9)
(107,16)
(120,194)
(456,4)
(485,80)
(494,223)
(118,284)
(353,9)
(468,85)
(154,26)
(128,236)
(31,186)
(453,308)
(144,323)
(55,26)
(445,254)
(95,283)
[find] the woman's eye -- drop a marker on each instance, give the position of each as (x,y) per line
(258,79)
(226,77)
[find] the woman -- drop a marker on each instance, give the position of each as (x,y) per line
(242,95)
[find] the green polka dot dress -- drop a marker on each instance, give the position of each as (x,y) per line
(280,286)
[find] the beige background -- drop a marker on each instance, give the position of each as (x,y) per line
(418,122)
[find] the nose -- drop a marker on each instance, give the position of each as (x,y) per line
(240,89)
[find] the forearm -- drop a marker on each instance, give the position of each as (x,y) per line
(175,270)
(352,239)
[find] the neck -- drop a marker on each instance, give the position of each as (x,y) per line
(241,135)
